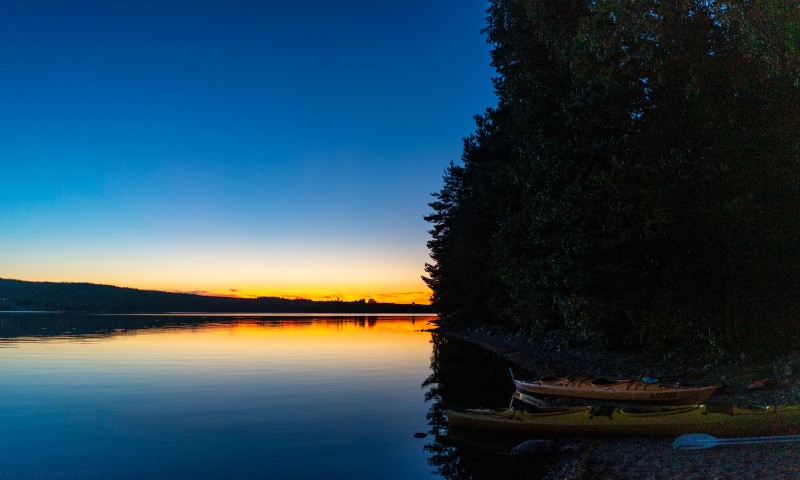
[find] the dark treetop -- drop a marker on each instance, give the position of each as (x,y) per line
(639,180)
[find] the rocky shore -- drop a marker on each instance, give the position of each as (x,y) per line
(637,458)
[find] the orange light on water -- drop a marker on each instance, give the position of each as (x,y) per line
(265,341)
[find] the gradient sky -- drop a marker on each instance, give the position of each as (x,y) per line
(233,147)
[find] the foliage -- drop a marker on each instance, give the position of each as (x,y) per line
(639,180)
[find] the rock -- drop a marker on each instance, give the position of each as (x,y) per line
(570,448)
(533,447)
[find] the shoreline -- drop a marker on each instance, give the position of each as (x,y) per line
(654,458)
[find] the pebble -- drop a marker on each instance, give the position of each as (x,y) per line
(571,448)
(533,447)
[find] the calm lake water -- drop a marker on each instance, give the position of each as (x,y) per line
(239,396)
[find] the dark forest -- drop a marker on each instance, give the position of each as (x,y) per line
(638,182)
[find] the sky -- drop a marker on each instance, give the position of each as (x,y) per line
(246,148)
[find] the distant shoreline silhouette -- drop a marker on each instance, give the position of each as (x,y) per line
(19,295)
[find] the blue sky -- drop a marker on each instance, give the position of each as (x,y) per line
(251,148)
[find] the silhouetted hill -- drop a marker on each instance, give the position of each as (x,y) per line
(88,297)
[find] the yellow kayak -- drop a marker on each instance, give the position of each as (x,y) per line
(639,421)
(622,390)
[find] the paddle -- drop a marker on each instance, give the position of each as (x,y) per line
(697,441)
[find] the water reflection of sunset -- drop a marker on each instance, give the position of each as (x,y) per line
(347,342)
(346,335)
(214,396)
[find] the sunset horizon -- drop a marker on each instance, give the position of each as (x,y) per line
(321,295)
(344,240)
(224,150)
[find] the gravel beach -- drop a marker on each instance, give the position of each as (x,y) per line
(646,458)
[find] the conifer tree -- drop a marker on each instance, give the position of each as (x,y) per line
(639,179)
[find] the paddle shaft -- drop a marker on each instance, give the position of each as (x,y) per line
(698,441)
(776,439)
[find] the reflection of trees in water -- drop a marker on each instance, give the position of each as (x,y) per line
(461,375)
(464,375)
(443,457)
(65,326)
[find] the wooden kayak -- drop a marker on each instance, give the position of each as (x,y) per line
(639,421)
(623,390)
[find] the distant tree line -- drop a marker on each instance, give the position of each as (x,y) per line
(638,181)
(87,297)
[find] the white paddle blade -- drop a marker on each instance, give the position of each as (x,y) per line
(695,441)
(530,400)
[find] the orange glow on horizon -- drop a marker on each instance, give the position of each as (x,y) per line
(399,290)
(420,297)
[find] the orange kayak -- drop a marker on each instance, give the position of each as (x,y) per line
(621,390)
